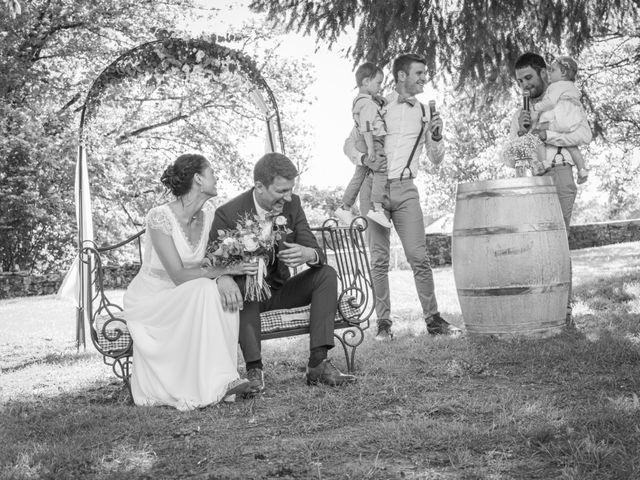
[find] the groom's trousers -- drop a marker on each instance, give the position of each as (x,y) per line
(317,286)
(402,201)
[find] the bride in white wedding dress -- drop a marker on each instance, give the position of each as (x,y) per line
(184,343)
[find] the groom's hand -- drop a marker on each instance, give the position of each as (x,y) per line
(377,163)
(230,294)
(295,255)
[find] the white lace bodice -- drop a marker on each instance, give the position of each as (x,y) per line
(162,218)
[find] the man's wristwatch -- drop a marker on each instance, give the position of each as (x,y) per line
(362,159)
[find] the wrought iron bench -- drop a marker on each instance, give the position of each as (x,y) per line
(344,247)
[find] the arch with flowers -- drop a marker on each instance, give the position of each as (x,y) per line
(154,62)
(164,98)
(155,101)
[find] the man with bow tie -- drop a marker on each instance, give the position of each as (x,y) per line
(410,128)
(272,196)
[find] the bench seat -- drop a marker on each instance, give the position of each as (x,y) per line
(113,334)
(345,250)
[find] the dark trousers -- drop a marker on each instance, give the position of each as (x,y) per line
(317,286)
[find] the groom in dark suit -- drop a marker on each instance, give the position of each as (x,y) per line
(272,196)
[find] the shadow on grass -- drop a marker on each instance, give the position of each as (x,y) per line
(572,399)
(562,407)
(423,408)
(588,425)
(617,287)
(55,358)
(606,339)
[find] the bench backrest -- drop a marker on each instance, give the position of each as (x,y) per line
(344,247)
(104,317)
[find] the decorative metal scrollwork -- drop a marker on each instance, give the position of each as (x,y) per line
(345,249)
(108,328)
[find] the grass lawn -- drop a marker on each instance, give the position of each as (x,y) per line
(566,407)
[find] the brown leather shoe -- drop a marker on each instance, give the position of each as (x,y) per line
(237,387)
(328,374)
(256,380)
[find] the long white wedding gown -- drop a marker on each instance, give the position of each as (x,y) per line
(184,343)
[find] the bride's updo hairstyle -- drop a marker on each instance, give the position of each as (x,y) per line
(179,176)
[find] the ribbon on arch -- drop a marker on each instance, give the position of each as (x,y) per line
(73,286)
(258,100)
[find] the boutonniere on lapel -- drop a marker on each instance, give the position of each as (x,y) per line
(280,229)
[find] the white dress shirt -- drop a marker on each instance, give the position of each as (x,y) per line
(403,127)
(262,214)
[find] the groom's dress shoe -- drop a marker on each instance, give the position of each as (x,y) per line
(256,380)
(326,373)
(238,386)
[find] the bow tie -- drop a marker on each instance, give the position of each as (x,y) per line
(410,100)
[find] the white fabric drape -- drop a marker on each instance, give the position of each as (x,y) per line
(270,139)
(70,287)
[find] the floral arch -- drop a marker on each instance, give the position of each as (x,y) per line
(230,72)
(175,56)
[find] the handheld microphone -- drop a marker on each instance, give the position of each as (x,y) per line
(525,106)
(435,135)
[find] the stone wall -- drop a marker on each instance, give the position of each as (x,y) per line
(21,284)
(603,233)
(119,276)
(580,236)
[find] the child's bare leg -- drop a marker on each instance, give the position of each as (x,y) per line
(344,212)
(578,159)
(378,190)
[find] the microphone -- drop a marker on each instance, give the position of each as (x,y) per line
(435,135)
(525,106)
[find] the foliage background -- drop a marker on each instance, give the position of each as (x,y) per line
(52,50)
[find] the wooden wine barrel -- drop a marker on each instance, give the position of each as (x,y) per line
(510,257)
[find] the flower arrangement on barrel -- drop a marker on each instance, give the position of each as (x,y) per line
(253,240)
(522,153)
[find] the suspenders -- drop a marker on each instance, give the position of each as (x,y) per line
(354,118)
(558,156)
(415,146)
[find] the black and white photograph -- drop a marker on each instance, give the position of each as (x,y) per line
(318,240)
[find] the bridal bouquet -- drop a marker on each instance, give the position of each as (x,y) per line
(253,240)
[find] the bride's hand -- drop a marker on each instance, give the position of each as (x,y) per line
(230,294)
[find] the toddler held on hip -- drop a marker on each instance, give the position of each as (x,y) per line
(370,129)
(561,110)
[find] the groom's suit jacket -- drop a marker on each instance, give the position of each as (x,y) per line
(227,216)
